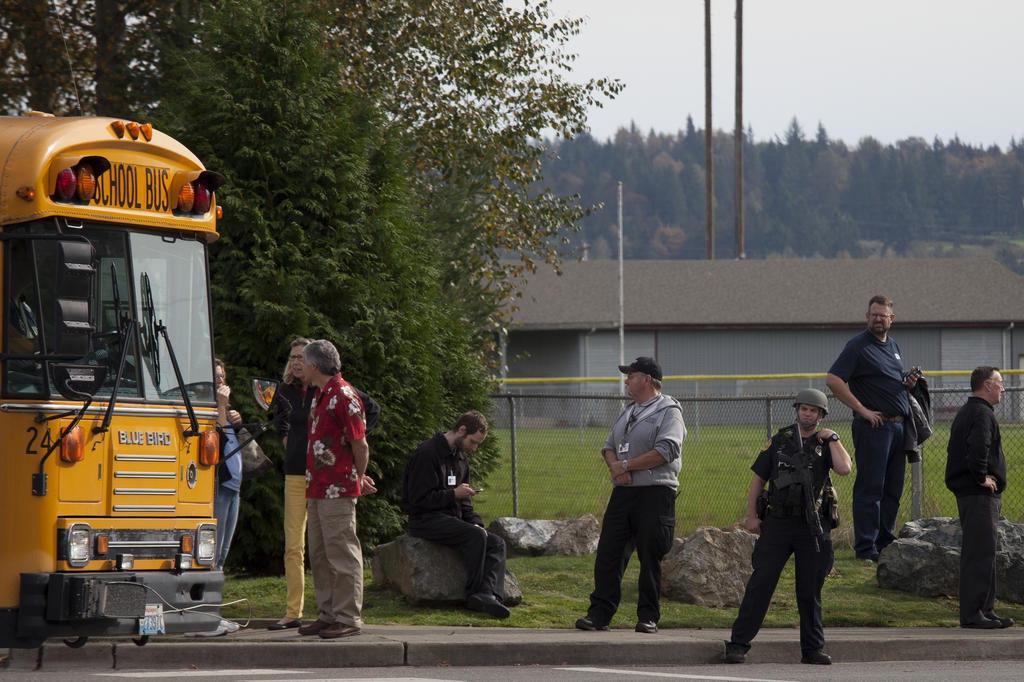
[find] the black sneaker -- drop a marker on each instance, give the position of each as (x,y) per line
(648,627)
(816,658)
(735,653)
(585,623)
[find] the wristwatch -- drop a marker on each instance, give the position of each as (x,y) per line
(834,438)
(625,465)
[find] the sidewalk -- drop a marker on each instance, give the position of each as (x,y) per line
(401,645)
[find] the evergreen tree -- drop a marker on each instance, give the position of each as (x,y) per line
(320,238)
(802,197)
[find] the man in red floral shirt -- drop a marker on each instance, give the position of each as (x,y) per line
(336,461)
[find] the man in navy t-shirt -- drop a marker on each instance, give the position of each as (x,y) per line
(868,378)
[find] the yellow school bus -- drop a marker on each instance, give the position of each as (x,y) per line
(107,411)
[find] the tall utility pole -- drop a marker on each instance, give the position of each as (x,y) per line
(709,161)
(622,307)
(737,136)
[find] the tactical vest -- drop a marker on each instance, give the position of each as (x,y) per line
(794,466)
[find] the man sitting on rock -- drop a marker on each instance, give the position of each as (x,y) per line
(439,500)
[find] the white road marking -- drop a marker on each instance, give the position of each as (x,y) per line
(369,679)
(677,676)
(199,673)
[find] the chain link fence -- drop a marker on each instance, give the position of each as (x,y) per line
(551,465)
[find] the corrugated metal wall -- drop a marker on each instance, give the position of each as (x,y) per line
(969,348)
(566,353)
(603,350)
(545,354)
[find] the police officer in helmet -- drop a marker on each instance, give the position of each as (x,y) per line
(794,516)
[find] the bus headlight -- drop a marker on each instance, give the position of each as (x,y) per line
(78,545)
(206,544)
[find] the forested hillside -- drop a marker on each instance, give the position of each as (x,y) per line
(806,195)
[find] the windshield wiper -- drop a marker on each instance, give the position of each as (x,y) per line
(149,331)
(152,330)
(127,331)
(193,429)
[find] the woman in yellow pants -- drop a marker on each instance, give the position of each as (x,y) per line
(291,424)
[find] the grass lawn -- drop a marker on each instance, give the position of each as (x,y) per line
(556,592)
(559,474)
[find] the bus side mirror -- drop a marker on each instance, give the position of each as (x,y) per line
(76,271)
(265,390)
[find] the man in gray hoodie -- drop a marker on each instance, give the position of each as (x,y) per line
(643,454)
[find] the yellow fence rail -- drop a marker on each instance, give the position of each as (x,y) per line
(519,381)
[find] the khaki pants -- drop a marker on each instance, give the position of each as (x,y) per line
(294,543)
(337,560)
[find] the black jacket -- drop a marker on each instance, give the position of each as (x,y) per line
(425,486)
(291,420)
(975,450)
(291,414)
(918,428)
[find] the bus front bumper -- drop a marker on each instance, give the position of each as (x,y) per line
(110,604)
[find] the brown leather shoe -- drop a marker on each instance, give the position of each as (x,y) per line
(314,628)
(338,630)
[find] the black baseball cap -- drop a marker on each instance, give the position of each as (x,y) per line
(643,364)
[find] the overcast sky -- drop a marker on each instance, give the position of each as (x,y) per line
(886,68)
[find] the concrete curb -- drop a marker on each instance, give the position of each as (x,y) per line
(389,646)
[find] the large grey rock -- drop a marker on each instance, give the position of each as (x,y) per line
(921,567)
(523,536)
(564,537)
(938,530)
(925,559)
(575,537)
(425,572)
(709,567)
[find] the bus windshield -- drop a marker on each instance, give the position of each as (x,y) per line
(170,286)
(151,278)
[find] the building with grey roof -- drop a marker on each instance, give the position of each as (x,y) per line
(763,316)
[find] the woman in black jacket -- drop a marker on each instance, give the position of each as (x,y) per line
(290,417)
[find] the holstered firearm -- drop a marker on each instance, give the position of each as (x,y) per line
(761,507)
(828,492)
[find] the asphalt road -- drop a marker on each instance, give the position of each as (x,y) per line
(887,671)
